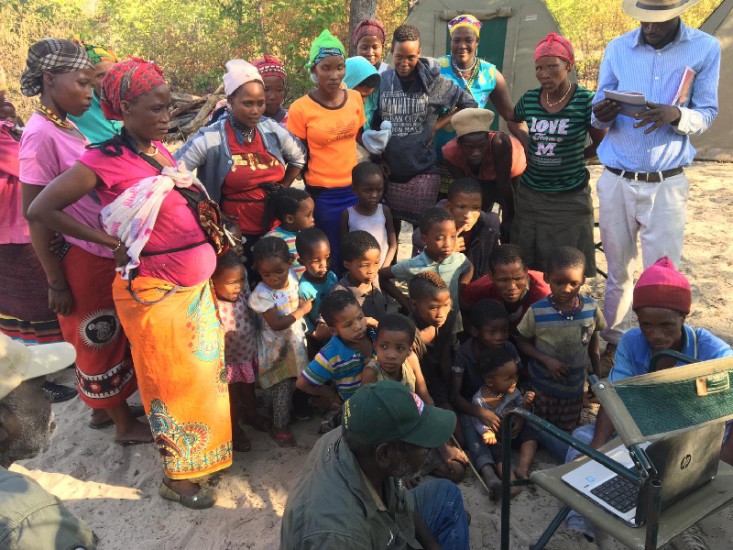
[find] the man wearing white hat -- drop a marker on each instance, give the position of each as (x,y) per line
(31,518)
(643,190)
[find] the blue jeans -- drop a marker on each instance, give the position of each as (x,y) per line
(440,504)
(552,444)
(477,450)
(575,521)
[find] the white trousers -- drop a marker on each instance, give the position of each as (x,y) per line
(653,211)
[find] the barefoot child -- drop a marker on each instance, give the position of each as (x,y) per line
(317,280)
(560,336)
(293,208)
(369,214)
(361,254)
(281,353)
(489,329)
(499,394)
(335,373)
(240,346)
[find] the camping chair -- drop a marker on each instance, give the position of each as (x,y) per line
(641,408)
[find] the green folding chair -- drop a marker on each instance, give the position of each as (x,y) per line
(642,408)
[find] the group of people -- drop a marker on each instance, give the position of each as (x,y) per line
(199,276)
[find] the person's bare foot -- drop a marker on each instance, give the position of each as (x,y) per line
(240,441)
(135,432)
(524,475)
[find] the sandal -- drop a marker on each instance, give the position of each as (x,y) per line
(136,410)
(283,439)
(201,500)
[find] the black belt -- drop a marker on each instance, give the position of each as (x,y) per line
(649,177)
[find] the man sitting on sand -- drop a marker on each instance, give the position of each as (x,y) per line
(349,494)
(662,300)
(31,518)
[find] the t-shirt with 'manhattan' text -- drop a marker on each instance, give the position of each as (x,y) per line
(555,159)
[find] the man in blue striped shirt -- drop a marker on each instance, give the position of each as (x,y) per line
(643,190)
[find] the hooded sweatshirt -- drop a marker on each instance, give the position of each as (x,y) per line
(413,106)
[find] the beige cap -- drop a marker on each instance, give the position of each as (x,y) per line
(656,11)
(19,362)
(468,121)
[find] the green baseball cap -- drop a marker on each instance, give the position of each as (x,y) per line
(387,411)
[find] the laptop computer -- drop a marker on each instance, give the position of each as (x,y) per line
(684,463)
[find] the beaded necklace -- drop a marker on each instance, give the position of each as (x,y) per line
(53,117)
(473,70)
(560,312)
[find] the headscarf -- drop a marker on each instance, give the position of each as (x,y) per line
(554,45)
(326,45)
(99,53)
(661,285)
(51,55)
(466,20)
(369,27)
(239,73)
(127,80)
(270,66)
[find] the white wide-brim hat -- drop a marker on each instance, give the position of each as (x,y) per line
(19,362)
(656,11)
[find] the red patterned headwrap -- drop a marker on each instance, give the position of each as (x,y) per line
(369,27)
(270,66)
(126,81)
(554,45)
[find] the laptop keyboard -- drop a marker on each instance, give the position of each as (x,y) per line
(619,492)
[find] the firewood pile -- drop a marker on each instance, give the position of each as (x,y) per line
(190,112)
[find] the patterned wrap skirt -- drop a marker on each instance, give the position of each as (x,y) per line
(104,372)
(178,349)
(24,313)
(409,200)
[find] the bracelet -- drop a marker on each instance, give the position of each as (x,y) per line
(119,244)
(63,288)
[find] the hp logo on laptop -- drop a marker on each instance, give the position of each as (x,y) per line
(685,462)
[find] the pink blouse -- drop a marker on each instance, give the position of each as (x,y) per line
(46,151)
(176,226)
(13,227)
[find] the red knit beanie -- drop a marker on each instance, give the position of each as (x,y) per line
(661,285)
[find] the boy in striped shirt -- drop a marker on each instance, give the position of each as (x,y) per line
(560,336)
(335,372)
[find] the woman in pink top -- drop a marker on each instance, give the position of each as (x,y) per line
(167,307)
(80,274)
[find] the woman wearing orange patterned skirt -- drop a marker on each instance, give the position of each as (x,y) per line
(163,295)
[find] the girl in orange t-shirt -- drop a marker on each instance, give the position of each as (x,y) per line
(328,119)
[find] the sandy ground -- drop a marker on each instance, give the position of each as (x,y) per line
(115,489)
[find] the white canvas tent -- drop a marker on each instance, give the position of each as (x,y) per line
(510,33)
(717,142)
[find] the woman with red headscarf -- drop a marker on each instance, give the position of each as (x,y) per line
(553,202)
(166,305)
(79,274)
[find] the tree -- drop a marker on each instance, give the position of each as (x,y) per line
(358,11)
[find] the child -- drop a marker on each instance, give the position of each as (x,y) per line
(435,338)
(240,346)
(369,214)
(565,328)
(509,282)
(361,254)
(281,353)
(499,394)
(438,231)
(478,232)
(335,373)
(489,329)
(293,208)
(274,78)
(317,280)
(396,361)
